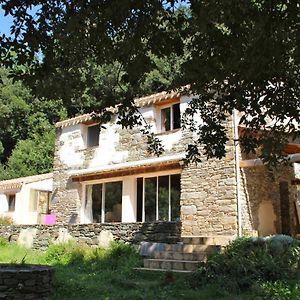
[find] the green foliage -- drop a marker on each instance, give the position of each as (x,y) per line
(31,156)
(240,55)
(14,109)
(11,252)
(94,273)
(3,242)
(27,129)
(65,253)
(5,220)
(279,291)
(250,260)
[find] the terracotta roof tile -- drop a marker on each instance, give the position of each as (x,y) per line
(140,102)
(155,98)
(17,183)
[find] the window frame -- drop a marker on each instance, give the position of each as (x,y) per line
(162,108)
(103,197)
(144,176)
(8,196)
(88,144)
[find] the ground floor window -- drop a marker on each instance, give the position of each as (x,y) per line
(158,198)
(11,202)
(40,201)
(106,200)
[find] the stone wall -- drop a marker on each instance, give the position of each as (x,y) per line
(40,236)
(261,204)
(25,281)
(136,143)
(65,202)
(208,199)
(208,195)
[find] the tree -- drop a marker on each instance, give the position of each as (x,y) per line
(30,157)
(27,129)
(241,55)
(14,109)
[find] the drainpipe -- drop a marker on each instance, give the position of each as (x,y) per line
(237,171)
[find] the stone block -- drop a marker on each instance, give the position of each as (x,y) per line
(26,237)
(105,238)
(189,209)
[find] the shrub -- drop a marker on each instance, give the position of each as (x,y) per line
(280,291)
(65,253)
(249,260)
(6,221)
(120,254)
(3,241)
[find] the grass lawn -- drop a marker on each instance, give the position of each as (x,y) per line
(85,273)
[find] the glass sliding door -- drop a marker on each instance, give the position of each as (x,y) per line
(150,201)
(113,202)
(97,202)
(163,198)
(105,202)
(175,197)
(158,198)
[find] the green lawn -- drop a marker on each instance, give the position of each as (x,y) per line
(84,273)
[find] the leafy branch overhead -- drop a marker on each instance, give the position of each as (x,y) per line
(240,55)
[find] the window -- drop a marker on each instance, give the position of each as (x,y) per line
(11,202)
(39,201)
(158,198)
(106,201)
(93,133)
(170,117)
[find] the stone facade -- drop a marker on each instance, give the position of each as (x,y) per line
(208,190)
(208,199)
(208,196)
(91,234)
(262,207)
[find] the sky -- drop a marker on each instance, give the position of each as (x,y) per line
(5,23)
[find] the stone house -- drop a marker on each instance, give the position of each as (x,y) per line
(106,175)
(26,200)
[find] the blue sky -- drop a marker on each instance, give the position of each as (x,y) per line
(5,23)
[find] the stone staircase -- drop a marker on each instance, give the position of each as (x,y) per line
(182,257)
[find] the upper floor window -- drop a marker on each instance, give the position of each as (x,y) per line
(170,117)
(11,202)
(93,133)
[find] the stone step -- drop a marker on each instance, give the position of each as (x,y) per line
(199,256)
(162,270)
(171,264)
(207,240)
(191,248)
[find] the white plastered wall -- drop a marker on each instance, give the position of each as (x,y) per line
(22,215)
(73,140)
(4,203)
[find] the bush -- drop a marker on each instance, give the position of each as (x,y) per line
(280,291)
(6,221)
(65,253)
(249,260)
(3,242)
(118,256)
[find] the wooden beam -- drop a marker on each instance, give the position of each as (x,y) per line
(295,182)
(292,158)
(127,172)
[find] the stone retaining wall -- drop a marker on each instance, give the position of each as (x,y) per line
(40,236)
(25,281)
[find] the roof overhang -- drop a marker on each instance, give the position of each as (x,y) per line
(17,183)
(151,165)
(162,96)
